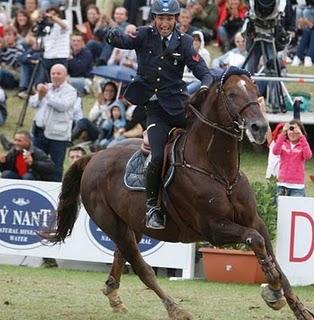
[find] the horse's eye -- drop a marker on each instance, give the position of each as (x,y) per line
(232,95)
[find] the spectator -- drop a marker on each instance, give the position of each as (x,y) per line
(54,117)
(31,6)
(294,150)
(75,153)
(204,17)
(305,48)
(231,24)
(23,25)
(88,27)
(125,57)
(10,51)
(185,19)
(98,113)
(80,65)
(101,50)
(107,6)
(273,160)
(112,129)
(24,161)
(199,46)
(56,44)
(235,56)
(28,60)
(3,107)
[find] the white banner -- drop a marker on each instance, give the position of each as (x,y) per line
(295,239)
(26,207)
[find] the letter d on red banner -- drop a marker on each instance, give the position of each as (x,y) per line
(294,216)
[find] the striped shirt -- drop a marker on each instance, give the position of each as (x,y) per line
(57,43)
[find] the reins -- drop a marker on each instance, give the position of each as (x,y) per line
(236,131)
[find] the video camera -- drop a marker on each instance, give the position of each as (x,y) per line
(264,21)
(42,26)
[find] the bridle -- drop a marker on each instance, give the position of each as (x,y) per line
(236,131)
(238,128)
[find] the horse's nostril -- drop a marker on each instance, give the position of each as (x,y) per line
(254,127)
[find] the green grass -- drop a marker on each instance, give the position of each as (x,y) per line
(50,294)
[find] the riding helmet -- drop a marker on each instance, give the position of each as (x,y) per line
(169,7)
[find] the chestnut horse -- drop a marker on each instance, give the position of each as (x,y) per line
(209,199)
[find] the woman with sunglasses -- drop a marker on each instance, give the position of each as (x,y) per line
(293,149)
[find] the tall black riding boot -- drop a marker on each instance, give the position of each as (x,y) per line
(155,219)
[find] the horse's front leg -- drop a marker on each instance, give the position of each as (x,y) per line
(227,232)
(299,310)
(113,282)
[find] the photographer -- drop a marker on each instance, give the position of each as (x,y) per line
(55,35)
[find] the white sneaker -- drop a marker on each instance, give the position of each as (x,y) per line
(308,62)
(295,62)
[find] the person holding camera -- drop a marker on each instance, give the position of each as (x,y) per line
(55,34)
(25,161)
(293,149)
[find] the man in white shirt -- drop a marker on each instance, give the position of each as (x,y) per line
(54,117)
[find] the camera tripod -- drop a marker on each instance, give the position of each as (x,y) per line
(29,89)
(275,91)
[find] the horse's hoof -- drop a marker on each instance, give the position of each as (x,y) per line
(273,298)
(179,314)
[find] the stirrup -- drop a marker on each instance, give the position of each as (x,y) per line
(155,219)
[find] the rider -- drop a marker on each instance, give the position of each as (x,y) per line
(162,53)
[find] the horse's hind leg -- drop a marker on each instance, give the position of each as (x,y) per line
(294,303)
(113,282)
(129,249)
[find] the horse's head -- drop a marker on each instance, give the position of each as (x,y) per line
(232,106)
(240,96)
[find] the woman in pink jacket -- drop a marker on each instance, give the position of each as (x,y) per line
(294,150)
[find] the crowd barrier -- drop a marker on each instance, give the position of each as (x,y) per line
(26,207)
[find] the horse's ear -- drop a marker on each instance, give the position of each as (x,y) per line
(199,97)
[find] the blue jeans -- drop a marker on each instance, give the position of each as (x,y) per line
(2,119)
(306,45)
(290,192)
(26,73)
(7,80)
(55,149)
(101,51)
(9,174)
(78,83)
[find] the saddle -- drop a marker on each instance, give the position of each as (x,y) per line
(134,177)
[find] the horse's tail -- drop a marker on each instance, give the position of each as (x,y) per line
(69,201)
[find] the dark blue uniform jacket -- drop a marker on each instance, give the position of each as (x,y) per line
(160,72)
